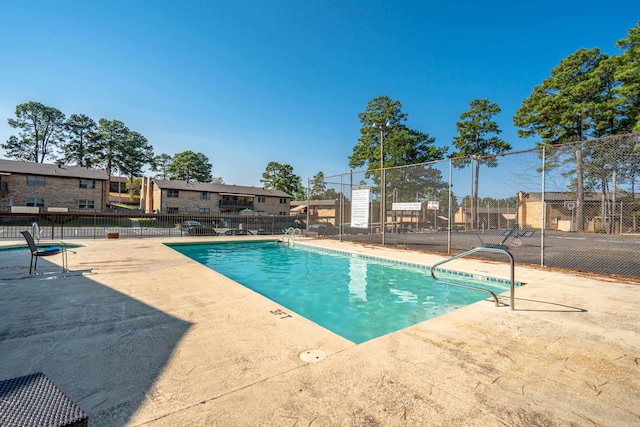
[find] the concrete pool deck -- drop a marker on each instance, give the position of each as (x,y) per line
(139,335)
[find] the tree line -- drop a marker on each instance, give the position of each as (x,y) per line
(45,133)
(79,140)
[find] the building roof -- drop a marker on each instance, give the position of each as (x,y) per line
(47,169)
(491,210)
(316,203)
(554,196)
(237,190)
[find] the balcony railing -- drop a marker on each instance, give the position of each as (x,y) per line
(236,204)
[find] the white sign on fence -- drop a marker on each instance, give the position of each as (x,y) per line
(360,207)
(412,206)
(433,206)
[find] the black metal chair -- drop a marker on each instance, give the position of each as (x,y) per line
(37,252)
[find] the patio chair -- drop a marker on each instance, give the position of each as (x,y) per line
(37,252)
(512,232)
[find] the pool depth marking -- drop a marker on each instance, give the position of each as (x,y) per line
(279,312)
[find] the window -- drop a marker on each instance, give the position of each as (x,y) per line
(87,183)
(35,180)
(205,196)
(39,203)
(205,210)
(173,194)
(172,210)
(282,213)
(261,199)
(283,200)
(86,204)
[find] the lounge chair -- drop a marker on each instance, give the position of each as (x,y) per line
(37,252)
(514,233)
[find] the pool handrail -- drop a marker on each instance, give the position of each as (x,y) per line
(469,252)
(290,235)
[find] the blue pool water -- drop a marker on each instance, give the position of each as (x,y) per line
(25,248)
(356,297)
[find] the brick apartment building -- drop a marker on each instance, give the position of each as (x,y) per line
(158,195)
(35,187)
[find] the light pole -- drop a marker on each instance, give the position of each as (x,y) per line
(383,207)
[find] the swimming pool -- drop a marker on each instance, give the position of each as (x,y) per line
(359,298)
(25,248)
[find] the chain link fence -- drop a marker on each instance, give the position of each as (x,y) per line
(574,206)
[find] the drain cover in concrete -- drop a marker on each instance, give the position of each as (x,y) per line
(313,356)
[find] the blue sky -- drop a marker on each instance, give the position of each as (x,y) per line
(249,82)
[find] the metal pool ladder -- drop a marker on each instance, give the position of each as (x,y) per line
(289,236)
(475,288)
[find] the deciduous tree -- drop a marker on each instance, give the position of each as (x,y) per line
(134,185)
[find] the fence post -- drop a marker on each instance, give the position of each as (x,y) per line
(341,209)
(544,208)
(450,207)
(620,216)
(306,231)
